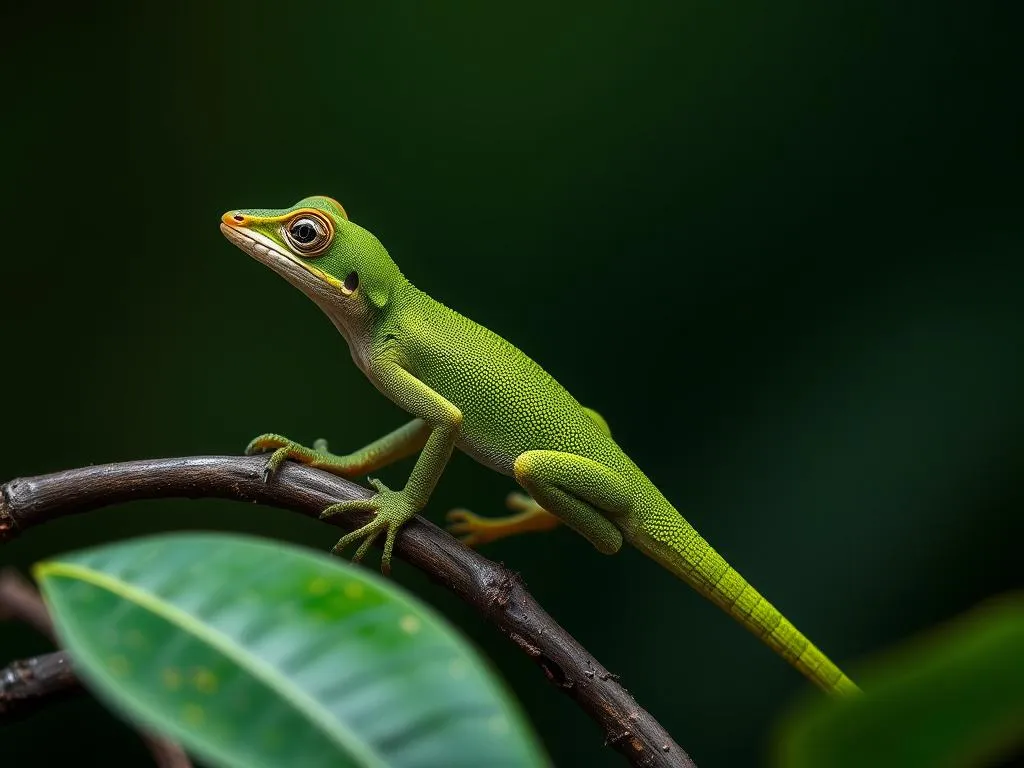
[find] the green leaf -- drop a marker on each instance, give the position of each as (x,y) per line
(952,698)
(256,653)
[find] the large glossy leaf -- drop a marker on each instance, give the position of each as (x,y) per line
(254,653)
(952,698)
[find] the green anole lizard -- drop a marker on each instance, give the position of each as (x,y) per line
(467,387)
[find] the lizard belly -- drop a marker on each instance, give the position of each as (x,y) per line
(486,453)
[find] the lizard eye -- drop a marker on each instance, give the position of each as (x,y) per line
(308,234)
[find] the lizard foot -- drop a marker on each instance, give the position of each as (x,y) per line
(474,530)
(394,509)
(283,449)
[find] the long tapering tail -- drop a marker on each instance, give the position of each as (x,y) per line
(680,549)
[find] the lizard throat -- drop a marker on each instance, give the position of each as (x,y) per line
(346,312)
(266,252)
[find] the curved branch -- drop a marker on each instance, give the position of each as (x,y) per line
(491,588)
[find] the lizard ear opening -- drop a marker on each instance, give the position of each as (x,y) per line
(350,284)
(375,294)
(337,207)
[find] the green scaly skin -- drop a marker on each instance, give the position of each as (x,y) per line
(468,388)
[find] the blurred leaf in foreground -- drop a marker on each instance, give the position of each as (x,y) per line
(954,698)
(256,653)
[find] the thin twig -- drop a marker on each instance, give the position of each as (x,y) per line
(28,684)
(20,601)
(166,753)
(491,588)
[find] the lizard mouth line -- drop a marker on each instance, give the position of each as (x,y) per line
(276,259)
(252,246)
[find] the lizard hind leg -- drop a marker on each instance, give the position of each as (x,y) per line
(582,493)
(475,530)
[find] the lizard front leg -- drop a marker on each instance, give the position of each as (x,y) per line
(396,445)
(395,508)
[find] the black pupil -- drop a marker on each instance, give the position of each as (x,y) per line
(304,232)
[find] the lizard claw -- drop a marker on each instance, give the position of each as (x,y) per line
(469,527)
(283,449)
(277,458)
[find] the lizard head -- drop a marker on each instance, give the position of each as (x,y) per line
(313,245)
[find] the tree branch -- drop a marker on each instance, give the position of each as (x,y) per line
(492,589)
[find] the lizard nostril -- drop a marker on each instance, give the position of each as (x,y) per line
(238,217)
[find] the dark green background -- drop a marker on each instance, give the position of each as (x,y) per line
(777,245)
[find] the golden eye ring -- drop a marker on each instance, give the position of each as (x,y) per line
(309,233)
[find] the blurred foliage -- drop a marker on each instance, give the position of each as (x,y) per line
(951,699)
(251,654)
(778,246)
